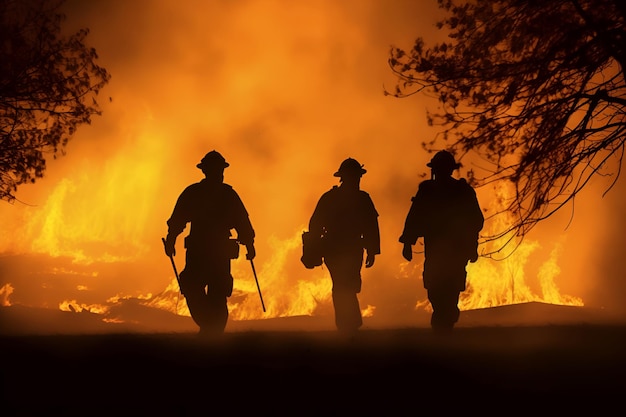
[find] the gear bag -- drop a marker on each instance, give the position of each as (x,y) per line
(312,250)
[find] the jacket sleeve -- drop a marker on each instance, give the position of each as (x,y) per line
(371,235)
(181,214)
(413,224)
(241,221)
(475,218)
(474,224)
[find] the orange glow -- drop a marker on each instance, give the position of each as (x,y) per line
(285,91)
(84,216)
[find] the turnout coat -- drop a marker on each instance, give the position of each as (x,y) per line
(446,213)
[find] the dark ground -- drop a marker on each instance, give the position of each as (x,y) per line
(481,371)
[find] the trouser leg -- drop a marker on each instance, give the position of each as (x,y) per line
(217,309)
(206,284)
(195,295)
(444,303)
(208,311)
(345,272)
(347,310)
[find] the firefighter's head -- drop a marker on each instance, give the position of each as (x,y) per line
(350,168)
(212,166)
(213,160)
(443,163)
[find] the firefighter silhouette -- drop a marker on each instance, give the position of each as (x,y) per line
(446,213)
(213,209)
(346,222)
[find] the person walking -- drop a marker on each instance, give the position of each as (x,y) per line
(446,213)
(346,221)
(213,209)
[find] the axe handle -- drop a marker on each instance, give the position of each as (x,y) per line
(257,285)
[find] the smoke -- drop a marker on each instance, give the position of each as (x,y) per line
(285,91)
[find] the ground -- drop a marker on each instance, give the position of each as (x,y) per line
(494,370)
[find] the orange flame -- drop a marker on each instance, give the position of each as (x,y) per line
(76,307)
(493,282)
(5,291)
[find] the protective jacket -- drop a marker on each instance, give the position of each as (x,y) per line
(214,210)
(447,215)
(346,218)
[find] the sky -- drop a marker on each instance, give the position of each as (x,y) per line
(285,91)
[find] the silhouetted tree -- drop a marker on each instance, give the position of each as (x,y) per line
(536,88)
(48,87)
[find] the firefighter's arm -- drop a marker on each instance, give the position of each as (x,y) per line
(251,251)
(170,244)
(178,221)
(407,252)
(175,228)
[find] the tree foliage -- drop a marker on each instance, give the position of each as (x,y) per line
(535,88)
(48,88)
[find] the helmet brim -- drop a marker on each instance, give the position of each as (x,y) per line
(201,165)
(344,173)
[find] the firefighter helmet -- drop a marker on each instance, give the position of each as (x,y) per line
(443,160)
(350,166)
(213,159)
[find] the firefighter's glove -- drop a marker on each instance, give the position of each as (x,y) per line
(251,252)
(170,246)
(407,252)
(369,260)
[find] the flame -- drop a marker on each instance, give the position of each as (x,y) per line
(76,307)
(290,295)
(493,282)
(5,291)
(368,311)
(100,218)
(169,300)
